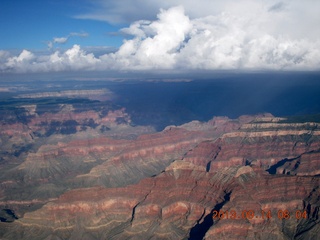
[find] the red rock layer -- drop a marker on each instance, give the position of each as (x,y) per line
(65,163)
(261,144)
(170,205)
(166,207)
(263,166)
(278,204)
(304,165)
(118,162)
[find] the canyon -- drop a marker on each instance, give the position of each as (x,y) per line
(84,170)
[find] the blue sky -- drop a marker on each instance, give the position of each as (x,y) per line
(30,24)
(155,35)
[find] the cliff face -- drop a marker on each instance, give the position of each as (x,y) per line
(255,177)
(179,204)
(108,162)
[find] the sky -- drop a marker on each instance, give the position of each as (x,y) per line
(156,35)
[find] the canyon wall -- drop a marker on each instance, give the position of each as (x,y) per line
(255,177)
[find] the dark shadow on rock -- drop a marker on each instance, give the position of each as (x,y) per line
(200,229)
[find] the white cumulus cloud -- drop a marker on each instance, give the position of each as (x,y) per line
(156,43)
(222,41)
(238,35)
(73,59)
(294,16)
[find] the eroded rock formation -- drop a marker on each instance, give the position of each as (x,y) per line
(256,177)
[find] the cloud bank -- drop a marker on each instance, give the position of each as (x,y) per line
(248,35)
(293,17)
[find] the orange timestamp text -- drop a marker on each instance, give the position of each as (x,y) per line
(262,214)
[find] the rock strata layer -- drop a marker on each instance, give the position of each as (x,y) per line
(256,177)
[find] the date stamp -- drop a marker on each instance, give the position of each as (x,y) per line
(262,214)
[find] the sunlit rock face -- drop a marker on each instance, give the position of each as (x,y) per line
(78,173)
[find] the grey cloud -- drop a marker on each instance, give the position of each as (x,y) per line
(277,7)
(128,11)
(63,40)
(79,34)
(125,11)
(291,17)
(98,51)
(60,40)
